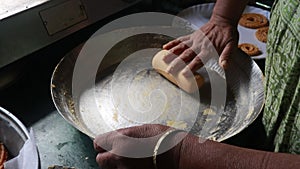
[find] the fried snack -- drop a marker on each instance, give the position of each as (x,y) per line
(188,84)
(253,20)
(3,155)
(249,49)
(262,34)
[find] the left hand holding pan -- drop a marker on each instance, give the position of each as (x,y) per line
(132,148)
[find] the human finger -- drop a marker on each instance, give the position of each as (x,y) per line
(175,52)
(175,42)
(104,142)
(98,148)
(176,65)
(187,55)
(195,64)
(225,55)
(168,58)
(107,160)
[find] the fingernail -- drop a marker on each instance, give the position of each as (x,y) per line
(187,72)
(169,69)
(224,64)
(167,59)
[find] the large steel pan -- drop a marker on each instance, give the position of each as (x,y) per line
(95,109)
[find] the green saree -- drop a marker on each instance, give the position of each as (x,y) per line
(282,108)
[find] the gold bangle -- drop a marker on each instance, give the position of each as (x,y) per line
(158,144)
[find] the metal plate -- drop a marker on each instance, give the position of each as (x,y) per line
(12,132)
(97,109)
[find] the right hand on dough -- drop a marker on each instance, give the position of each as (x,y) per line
(194,47)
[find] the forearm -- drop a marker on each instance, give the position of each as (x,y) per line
(213,155)
(228,11)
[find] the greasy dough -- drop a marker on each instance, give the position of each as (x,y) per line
(188,84)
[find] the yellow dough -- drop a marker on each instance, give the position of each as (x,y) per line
(188,84)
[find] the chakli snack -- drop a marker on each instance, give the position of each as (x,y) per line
(253,20)
(262,34)
(249,49)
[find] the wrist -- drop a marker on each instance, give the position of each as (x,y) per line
(229,11)
(171,157)
(220,20)
(193,153)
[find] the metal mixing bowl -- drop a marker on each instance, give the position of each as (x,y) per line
(12,132)
(93,109)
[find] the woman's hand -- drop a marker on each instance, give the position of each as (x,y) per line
(132,148)
(215,37)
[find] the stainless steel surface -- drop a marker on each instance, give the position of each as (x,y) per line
(12,132)
(25,33)
(244,100)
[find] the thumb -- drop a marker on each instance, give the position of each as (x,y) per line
(104,142)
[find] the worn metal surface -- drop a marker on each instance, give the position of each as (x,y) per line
(97,110)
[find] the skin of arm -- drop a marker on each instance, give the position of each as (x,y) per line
(191,152)
(213,155)
(228,11)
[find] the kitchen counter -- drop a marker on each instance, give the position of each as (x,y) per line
(61,144)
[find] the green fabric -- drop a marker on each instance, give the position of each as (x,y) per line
(282,108)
